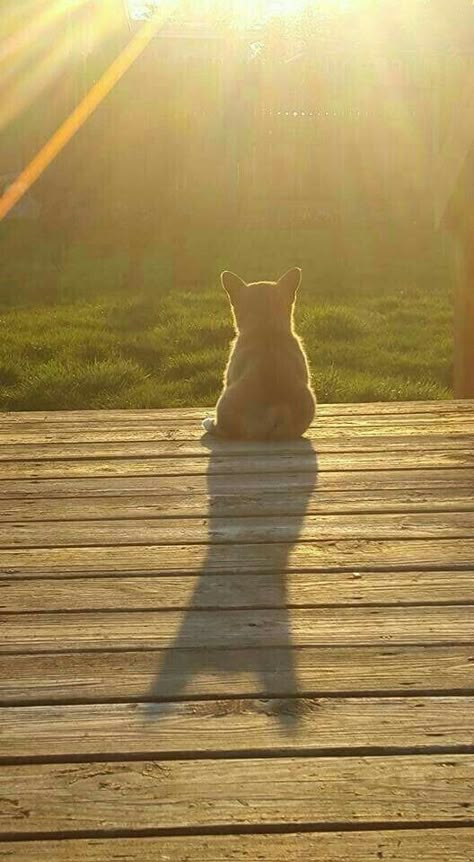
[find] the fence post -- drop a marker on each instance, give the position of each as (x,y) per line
(464,316)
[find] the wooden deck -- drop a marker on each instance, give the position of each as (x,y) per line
(237,652)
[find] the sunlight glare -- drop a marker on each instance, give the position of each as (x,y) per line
(97,93)
(240,12)
(40,40)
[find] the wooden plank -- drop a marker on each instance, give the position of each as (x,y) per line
(343,432)
(236,591)
(189,426)
(234,504)
(206,728)
(342,626)
(336,555)
(414,845)
(398,408)
(134,676)
(232,465)
(158,795)
(190,438)
(413,482)
(256,530)
(242,451)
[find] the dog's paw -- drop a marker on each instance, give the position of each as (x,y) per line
(208,424)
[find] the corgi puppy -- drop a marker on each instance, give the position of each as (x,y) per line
(267,393)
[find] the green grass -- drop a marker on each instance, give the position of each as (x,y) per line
(372,331)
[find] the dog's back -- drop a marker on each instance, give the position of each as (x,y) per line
(267,393)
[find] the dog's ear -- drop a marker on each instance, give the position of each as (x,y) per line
(289,283)
(233,285)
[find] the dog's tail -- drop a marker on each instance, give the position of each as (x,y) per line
(279,423)
(273,422)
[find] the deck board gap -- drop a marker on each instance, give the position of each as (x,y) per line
(236,754)
(254,829)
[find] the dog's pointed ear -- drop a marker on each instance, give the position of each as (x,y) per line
(290,282)
(232,284)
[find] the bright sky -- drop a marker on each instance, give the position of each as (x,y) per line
(135,7)
(248,9)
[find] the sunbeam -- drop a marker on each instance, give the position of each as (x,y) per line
(84,109)
(39,44)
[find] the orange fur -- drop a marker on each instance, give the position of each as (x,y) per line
(267,393)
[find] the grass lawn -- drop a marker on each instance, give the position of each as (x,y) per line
(376,323)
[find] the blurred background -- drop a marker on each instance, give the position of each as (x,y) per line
(245,136)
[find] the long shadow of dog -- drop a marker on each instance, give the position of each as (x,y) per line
(255,519)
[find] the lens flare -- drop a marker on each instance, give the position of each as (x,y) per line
(84,109)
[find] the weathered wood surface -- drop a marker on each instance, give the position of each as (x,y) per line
(434,409)
(234,726)
(252,530)
(90,427)
(221,464)
(58,441)
(169,592)
(341,626)
(416,845)
(71,798)
(158,444)
(210,637)
(172,492)
(132,676)
(334,555)
(237,505)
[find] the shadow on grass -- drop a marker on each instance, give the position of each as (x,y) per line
(224,630)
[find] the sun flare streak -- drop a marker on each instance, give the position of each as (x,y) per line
(82,112)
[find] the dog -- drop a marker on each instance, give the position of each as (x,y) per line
(267,393)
